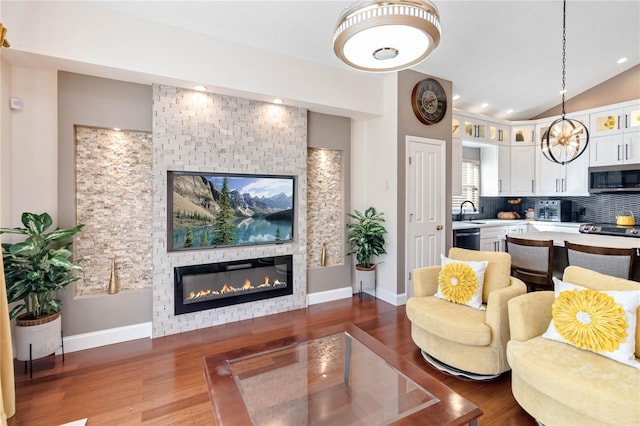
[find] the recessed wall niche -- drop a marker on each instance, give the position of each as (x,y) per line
(325,213)
(114,201)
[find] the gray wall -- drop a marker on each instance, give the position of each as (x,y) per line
(97,102)
(332,132)
(408,124)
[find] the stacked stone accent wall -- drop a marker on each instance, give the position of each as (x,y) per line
(325,213)
(204,132)
(113,200)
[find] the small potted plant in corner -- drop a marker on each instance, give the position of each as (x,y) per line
(366,237)
(34,270)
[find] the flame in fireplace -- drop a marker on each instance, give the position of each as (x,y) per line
(229,289)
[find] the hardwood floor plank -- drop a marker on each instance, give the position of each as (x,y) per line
(161,381)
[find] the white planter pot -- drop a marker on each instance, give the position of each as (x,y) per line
(44,339)
(366,280)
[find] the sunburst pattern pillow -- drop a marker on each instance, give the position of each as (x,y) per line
(461,281)
(599,321)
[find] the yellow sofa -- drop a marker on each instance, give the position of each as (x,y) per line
(559,384)
(467,339)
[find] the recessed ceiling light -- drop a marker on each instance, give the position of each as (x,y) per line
(484,105)
(117,129)
(200,88)
(509,111)
(278,101)
(563,91)
(456,97)
(622,60)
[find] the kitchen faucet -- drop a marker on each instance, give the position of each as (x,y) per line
(461,215)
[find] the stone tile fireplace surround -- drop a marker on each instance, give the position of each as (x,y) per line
(204,132)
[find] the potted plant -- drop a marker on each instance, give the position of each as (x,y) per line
(366,237)
(34,270)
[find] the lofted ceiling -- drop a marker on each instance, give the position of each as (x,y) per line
(504,53)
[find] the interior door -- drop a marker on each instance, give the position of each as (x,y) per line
(425,224)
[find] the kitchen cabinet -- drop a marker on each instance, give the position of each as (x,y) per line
(523,134)
(498,133)
(615,121)
(456,163)
(504,170)
(514,230)
(474,129)
(553,179)
(456,128)
(615,149)
(522,170)
(493,238)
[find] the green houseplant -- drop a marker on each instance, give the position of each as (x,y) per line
(38,266)
(366,237)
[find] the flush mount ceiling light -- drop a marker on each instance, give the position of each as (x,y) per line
(566,139)
(381,36)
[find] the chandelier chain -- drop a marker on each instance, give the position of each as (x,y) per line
(564,50)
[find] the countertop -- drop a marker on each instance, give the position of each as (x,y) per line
(484,223)
(585,239)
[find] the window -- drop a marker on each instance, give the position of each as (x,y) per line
(470,186)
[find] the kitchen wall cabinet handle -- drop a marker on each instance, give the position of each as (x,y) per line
(618,152)
(618,122)
(532,186)
(626,121)
(499,185)
(626,151)
(564,185)
(557,185)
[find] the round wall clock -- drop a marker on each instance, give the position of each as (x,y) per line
(429,101)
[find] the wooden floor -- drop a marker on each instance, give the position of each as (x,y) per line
(161,381)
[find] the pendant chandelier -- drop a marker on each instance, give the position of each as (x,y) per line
(566,139)
(391,35)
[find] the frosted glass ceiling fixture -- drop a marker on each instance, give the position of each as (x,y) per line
(382,36)
(566,139)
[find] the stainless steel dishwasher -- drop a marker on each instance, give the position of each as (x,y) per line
(468,238)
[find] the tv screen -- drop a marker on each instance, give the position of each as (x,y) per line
(208,210)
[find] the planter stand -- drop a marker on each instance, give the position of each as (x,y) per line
(367,276)
(30,360)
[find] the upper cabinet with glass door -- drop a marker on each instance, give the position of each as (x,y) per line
(499,133)
(614,121)
(523,134)
(474,129)
(457,126)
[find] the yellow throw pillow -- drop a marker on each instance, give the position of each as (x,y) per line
(461,281)
(603,322)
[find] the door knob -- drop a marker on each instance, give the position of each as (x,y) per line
(439,228)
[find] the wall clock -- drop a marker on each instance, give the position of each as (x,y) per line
(429,101)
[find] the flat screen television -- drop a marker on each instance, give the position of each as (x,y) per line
(209,210)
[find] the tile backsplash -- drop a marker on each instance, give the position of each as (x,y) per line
(597,208)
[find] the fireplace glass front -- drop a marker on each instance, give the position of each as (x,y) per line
(214,285)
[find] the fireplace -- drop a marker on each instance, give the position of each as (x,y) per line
(214,285)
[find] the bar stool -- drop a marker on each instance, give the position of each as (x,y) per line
(532,262)
(617,262)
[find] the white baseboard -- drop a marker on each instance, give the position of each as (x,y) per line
(392,298)
(329,295)
(94,339)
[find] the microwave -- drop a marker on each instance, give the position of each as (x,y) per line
(619,178)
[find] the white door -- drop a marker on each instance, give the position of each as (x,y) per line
(425,189)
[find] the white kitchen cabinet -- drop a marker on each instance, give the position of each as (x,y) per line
(456,166)
(474,129)
(553,179)
(456,126)
(498,133)
(522,228)
(504,170)
(615,121)
(523,134)
(493,238)
(522,170)
(622,148)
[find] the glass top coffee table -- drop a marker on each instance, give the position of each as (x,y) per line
(345,378)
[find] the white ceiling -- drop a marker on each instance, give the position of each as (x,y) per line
(504,53)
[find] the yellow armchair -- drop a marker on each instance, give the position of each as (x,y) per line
(458,336)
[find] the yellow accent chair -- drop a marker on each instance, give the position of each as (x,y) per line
(467,339)
(560,384)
